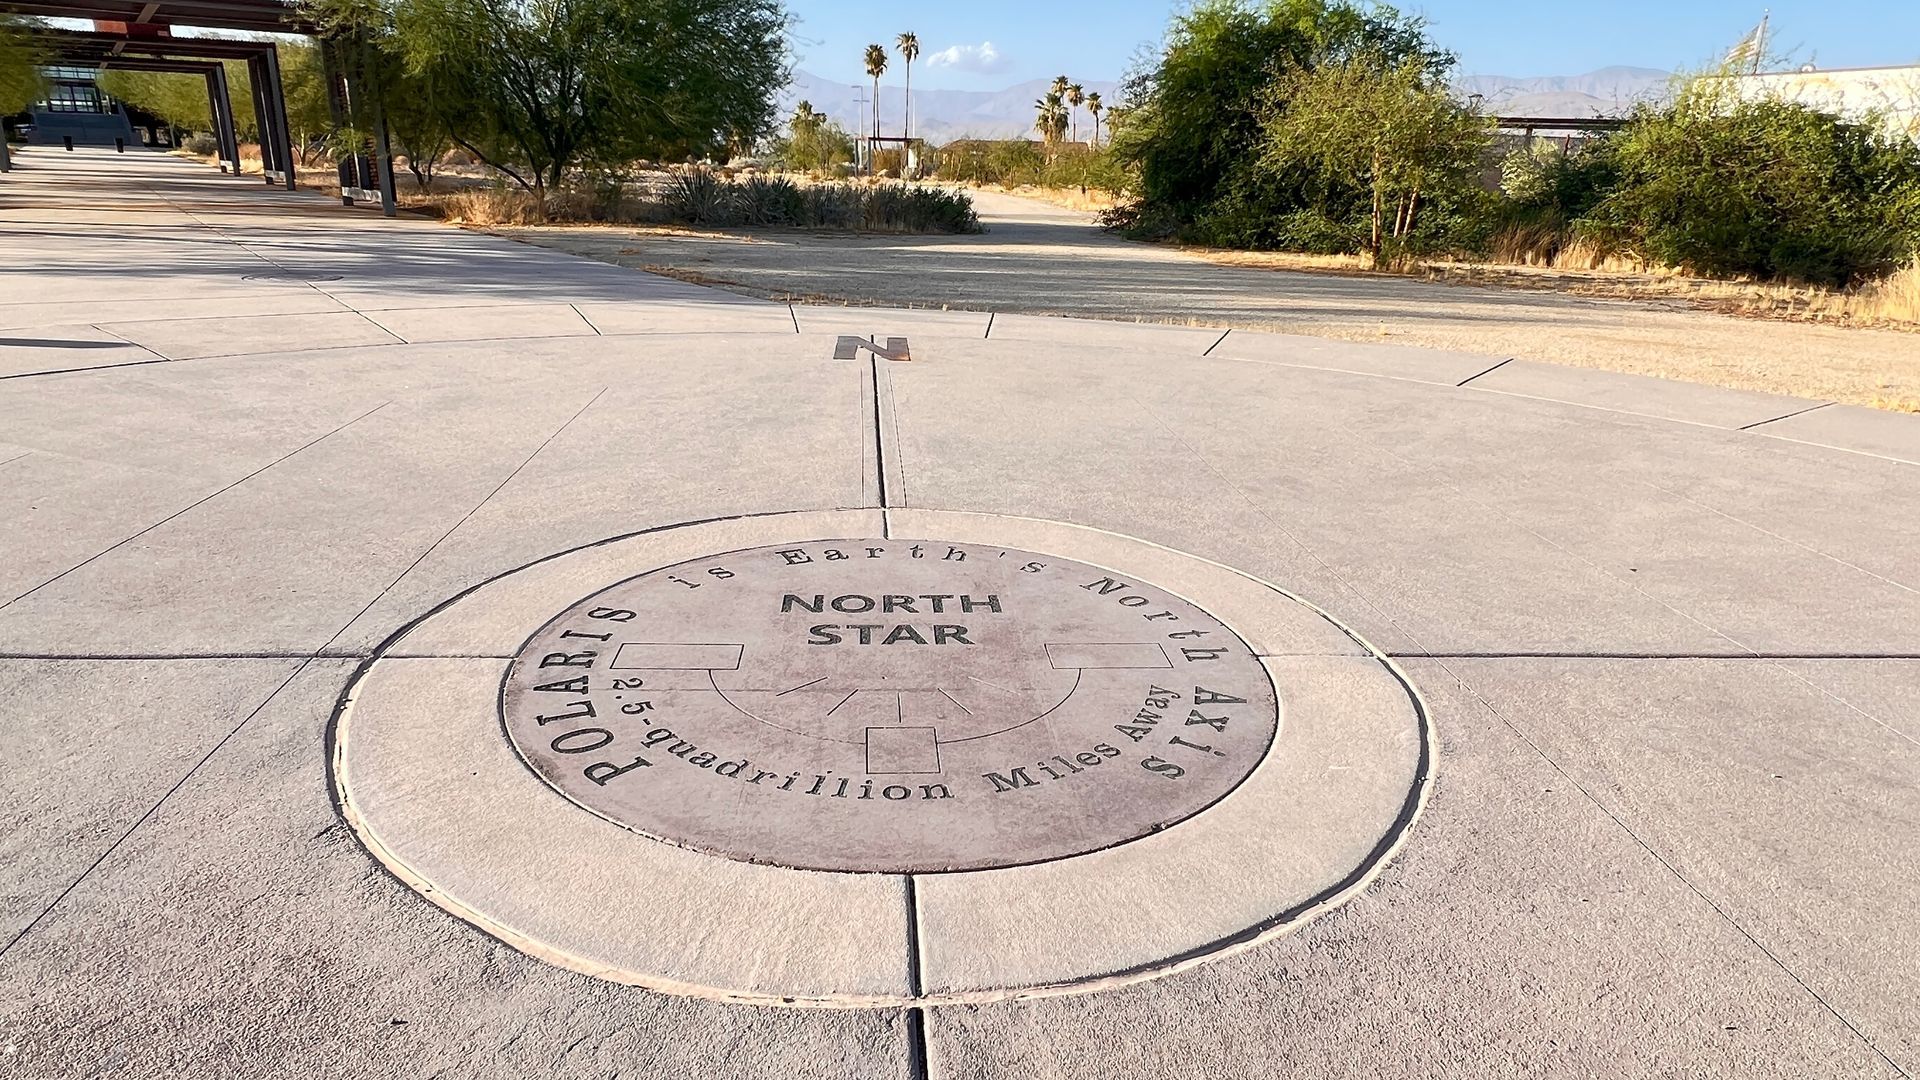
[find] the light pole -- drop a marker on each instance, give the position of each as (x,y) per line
(859,111)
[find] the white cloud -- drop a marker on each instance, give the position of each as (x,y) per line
(981,59)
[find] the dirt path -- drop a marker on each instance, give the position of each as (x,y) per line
(1042,259)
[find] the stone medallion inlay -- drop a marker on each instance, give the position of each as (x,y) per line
(892,706)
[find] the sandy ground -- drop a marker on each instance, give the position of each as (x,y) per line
(1041,259)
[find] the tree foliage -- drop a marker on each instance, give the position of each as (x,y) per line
(1195,115)
(20,82)
(1390,130)
(1722,185)
(813,143)
(534,87)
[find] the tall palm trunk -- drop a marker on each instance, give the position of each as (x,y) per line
(906,121)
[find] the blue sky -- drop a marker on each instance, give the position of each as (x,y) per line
(989,44)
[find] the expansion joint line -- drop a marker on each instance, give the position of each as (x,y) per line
(1679,875)
(306,661)
(1422,652)
(198,502)
(916,1015)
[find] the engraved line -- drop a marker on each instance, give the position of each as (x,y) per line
(1548,654)
(802,686)
(843,701)
(956,701)
(1217,341)
(294,674)
(1777,536)
(1592,800)
(431,548)
(155,808)
(1788,416)
(584,319)
(198,502)
(989,332)
(879,442)
(1489,371)
(916,1016)
(984,682)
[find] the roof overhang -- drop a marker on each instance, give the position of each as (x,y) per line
(257,16)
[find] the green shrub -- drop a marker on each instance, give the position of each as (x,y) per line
(767,200)
(699,196)
(200,143)
(1767,188)
(696,196)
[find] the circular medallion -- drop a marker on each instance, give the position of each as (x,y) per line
(978,758)
(889,706)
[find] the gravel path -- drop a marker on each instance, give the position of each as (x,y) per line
(1041,259)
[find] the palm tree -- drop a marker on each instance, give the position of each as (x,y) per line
(909,46)
(1051,120)
(1093,109)
(1074,97)
(1059,87)
(876,64)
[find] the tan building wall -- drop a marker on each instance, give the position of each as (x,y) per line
(1893,91)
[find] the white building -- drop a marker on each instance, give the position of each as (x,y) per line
(1893,92)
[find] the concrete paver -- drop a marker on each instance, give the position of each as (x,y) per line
(1671,664)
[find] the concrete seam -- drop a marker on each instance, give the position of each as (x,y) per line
(143,348)
(1217,341)
(198,502)
(1551,655)
(989,332)
(879,426)
(368,319)
(1764,531)
(1363,598)
(795,316)
(1682,878)
(1489,371)
(1464,495)
(305,661)
(584,319)
(1788,416)
(464,518)
(155,808)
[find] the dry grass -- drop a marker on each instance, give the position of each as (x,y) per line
(1090,200)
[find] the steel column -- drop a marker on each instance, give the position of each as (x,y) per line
(229,133)
(277,97)
(337,112)
(256,81)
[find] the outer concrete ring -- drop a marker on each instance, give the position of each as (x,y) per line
(423,794)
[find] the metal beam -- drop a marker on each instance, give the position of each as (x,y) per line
(277,101)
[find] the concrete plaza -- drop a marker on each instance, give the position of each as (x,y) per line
(1668,638)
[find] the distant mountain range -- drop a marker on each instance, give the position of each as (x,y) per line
(1605,92)
(938,115)
(941,115)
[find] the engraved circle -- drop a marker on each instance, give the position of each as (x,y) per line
(875,705)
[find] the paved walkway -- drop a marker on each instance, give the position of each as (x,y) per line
(1668,636)
(1042,259)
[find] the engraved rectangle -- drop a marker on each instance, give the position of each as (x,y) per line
(902,750)
(1144,654)
(682,656)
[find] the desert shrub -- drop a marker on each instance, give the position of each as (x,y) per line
(697,196)
(912,208)
(200,143)
(1768,188)
(1194,120)
(768,200)
(812,143)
